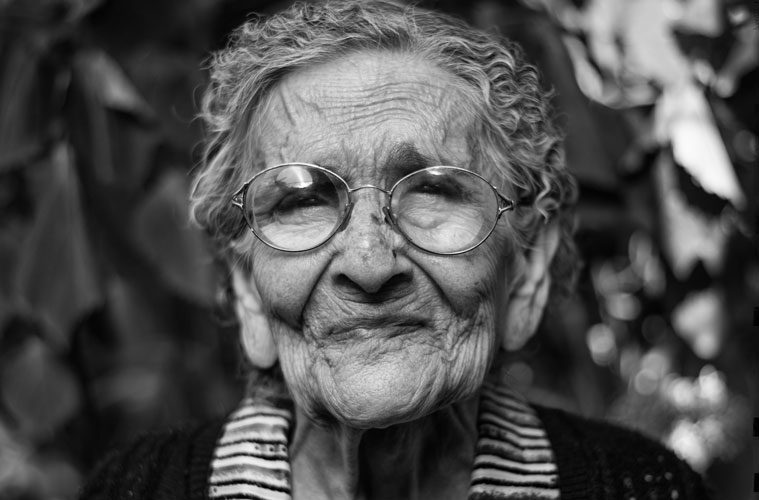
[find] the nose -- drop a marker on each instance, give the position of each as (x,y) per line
(367,265)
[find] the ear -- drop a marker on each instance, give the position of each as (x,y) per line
(257,339)
(527,300)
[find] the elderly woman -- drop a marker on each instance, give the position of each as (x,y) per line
(390,196)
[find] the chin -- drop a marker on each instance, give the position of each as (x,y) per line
(385,392)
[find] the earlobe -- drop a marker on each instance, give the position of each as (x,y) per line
(527,300)
(255,333)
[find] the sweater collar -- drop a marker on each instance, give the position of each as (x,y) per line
(513,457)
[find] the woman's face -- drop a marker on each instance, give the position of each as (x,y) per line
(370,330)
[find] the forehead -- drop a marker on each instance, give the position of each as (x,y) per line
(355,112)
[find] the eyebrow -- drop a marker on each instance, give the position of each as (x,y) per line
(404,159)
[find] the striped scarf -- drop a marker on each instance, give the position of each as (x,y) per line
(513,458)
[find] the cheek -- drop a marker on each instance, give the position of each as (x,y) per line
(470,281)
(285,282)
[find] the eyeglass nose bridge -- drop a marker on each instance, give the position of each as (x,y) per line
(349,209)
(368,186)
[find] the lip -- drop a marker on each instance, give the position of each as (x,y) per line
(386,326)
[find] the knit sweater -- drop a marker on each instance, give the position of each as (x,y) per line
(595,461)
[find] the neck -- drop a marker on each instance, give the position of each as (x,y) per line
(427,458)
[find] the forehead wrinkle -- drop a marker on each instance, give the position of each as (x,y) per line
(376,79)
(354,161)
(416,104)
(338,97)
(279,136)
(306,122)
(442,145)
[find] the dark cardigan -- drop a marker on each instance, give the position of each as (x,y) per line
(595,461)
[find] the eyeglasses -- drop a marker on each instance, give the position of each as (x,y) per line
(442,210)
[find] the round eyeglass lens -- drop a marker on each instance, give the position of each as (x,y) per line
(445,209)
(296,207)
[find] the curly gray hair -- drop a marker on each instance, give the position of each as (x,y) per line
(514,134)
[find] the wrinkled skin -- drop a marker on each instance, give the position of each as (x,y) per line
(369,330)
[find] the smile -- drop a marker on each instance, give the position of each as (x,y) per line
(372,327)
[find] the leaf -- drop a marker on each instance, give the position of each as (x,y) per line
(15,471)
(688,236)
(178,251)
(137,381)
(38,390)
(701,321)
(650,47)
(42,12)
(22,100)
(169,80)
(112,128)
(110,85)
(58,478)
(80,8)
(9,254)
(643,32)
(683,118)
(703,17)
(57,280)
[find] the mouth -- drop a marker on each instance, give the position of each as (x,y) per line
(372,327)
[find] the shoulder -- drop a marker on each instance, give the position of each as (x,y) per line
(599,460)
(161,466)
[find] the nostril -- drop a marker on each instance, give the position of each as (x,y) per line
(395,287)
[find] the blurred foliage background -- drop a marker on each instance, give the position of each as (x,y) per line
(108,319)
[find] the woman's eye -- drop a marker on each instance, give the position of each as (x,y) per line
(300,201)
(426,188)
(438,189)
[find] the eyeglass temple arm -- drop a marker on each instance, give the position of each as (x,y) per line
(237,200)
(509,204)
